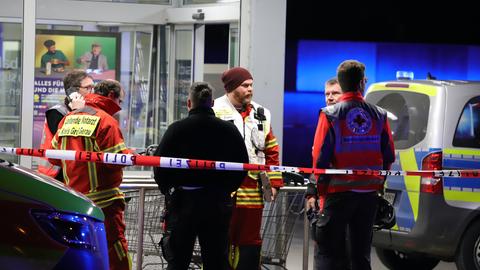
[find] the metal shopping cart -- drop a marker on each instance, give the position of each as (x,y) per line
(154,203)
(279,219)
(152,231)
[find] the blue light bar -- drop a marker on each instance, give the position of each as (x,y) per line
(404,75)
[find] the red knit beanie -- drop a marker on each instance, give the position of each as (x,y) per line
(234,77)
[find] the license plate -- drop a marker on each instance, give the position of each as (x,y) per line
(389,196)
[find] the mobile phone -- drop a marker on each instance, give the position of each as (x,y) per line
(69,91)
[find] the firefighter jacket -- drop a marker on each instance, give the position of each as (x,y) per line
(44,166)
(201,136)
(352,134)
(254,126)
(92,129)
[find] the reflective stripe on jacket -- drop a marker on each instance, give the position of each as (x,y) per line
(92,129)
(261,145)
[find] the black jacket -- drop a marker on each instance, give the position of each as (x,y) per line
(201,136)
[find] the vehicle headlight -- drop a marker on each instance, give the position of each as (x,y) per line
(69,229)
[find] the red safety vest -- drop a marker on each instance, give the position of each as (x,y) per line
(353,134)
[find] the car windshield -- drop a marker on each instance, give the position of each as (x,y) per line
(407,113)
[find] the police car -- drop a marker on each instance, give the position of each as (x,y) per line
(435,125)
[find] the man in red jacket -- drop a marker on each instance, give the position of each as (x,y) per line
(93,128)
(351,134)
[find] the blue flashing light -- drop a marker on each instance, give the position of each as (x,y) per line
(404,75)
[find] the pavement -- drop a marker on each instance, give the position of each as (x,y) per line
(295,255)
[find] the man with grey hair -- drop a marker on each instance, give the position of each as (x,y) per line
(198,202)
(333,92)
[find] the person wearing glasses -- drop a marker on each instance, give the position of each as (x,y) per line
(76,84)
(93,128)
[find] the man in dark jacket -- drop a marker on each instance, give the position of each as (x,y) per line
(199,201)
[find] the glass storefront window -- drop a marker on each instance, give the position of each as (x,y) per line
(10,85)
(143,117)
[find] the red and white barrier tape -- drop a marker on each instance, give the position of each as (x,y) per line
(184,163)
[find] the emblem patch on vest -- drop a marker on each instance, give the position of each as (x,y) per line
(359,121)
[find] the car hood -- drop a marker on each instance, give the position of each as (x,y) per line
(25,182)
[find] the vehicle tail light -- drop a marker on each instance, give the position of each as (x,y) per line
(433,185)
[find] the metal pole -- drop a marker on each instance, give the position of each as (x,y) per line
(140,218)
(306,238)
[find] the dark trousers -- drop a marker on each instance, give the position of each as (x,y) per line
(201,213)
(347,210)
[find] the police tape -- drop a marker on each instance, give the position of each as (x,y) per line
(185,163)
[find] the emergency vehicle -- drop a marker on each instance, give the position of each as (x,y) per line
(435,125)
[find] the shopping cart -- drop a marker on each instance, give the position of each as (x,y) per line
(152,230)
(279,219)
(154,203)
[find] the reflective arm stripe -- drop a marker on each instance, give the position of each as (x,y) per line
(271,143)
(115,149)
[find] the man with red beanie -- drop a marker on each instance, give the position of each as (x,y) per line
(253,121)
(93,128)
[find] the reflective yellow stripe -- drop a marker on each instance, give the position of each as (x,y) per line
(96,148)
(251,204)
(233,256)
(428,90)
(274,175)
(54,143)
(114,149)
(271,143)
(66,179)
(412,183)
(92,168)
(104,194)
(249,196)
(461,152)
(108,202)
(253,174)
(119,250)
(461,196)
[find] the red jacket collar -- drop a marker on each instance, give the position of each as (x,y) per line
(103,103)
(351,96)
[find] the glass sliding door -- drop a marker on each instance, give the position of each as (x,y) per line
(183,67)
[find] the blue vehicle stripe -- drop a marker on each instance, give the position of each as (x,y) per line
(461,163)
(450,182)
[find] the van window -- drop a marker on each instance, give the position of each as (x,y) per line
(407,114)
(467,133)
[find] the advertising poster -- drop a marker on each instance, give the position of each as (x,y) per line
(59,52)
